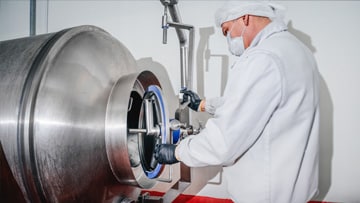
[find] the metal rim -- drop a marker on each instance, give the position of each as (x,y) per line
(116,128)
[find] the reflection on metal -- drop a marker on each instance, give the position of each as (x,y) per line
(67,102)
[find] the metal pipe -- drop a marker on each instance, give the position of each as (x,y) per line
(133,131)
(190,57)
(32,17)
(183,69)
(164,24)
(186,45)
(186,54)
(175,16)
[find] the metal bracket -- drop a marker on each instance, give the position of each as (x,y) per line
(169,179)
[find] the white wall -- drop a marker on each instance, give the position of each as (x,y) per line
(330,28)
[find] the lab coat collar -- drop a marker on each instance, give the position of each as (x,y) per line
(272,28)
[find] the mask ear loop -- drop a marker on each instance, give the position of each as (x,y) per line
(243,31)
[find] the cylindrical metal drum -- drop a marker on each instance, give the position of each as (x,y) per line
(67,102)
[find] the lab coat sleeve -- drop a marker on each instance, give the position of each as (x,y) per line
(212,104)
(252,94)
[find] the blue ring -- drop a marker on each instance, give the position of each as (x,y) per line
(156,90)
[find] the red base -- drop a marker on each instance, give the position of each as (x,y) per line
(200,199)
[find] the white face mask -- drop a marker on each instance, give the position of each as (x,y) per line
(236,44)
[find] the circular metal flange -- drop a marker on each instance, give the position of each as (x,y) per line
(125,150)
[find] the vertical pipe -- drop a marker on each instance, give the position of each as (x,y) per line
(186,54)
(32,17)
(183,67)
(47,16)
(164,24)
(190,59)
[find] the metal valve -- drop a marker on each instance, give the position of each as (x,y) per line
(179,130)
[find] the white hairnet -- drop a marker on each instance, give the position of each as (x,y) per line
(232,10)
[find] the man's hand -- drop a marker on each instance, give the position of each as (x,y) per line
(165,153)
(192,97)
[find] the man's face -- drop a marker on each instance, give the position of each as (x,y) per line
(233,26)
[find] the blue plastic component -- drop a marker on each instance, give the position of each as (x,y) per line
(175,134)
(157,92)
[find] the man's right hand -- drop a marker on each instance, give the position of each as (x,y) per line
(165,154)
(192,97)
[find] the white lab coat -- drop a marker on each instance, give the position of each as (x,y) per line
(265,127)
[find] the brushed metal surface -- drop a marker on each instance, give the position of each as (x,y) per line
(54,116)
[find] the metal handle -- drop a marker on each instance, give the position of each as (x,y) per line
(151,128)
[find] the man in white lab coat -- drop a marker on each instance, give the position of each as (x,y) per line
(264,130)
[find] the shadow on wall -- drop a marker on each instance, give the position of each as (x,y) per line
(326,139)
(326,124)
(203,57)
